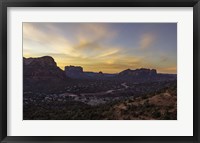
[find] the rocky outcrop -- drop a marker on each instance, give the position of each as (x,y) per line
(42,68)
(45,61)
(42,75)
(77,72)
(74,71)
(143,72)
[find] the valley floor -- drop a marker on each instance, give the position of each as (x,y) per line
(102,100)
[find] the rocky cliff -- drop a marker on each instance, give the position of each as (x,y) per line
(42,68)
(42,75)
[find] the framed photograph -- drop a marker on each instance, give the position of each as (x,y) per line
(99,71)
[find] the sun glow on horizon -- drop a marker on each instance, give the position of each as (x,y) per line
(106,47)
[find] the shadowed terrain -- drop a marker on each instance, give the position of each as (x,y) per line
(50,93)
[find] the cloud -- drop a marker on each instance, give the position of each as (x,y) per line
(146,40)
(96,31)
(46,40)
(108,53)
(84,45)
(91,45)
(92,36)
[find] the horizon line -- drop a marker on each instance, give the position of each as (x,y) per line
(99,70)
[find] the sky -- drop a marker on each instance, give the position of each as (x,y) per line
(106,47)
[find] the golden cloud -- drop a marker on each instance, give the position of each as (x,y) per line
(51,41)
(108,53)
(86,48)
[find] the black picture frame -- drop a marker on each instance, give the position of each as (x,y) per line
(4,4)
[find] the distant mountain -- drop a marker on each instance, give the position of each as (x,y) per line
(143,72)
(45,69)
(77,72)
(74,71)
(144,75)
(137,75)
